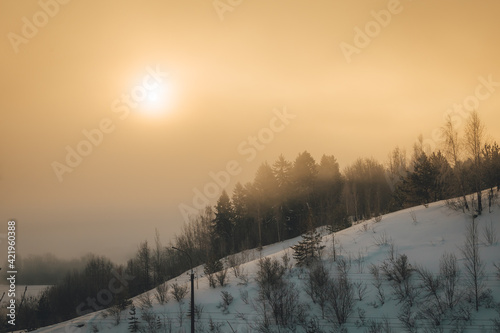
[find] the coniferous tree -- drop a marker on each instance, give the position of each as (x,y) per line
(303,179)
(442,187)
(422,180)
(281,170)
(223,226)
(133,321)
(265,189)
(243,222)
(144,261)
(491,165)
(308,250)
(328,193)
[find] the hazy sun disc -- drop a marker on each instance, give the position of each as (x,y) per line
(158,101)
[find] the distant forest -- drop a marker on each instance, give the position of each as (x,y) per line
(285,200)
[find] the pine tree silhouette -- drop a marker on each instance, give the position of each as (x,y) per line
(133,321)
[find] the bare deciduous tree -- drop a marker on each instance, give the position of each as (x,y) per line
(317,286)
(179,291)
(377,283)
(474,267)
(474,137)
(341,298)
(432,285)
(453,152)
(450,275)
(161,293)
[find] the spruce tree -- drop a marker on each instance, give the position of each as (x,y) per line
(222,226)
(309,248)
(133,321)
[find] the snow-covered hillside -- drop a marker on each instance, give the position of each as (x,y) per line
(422,234)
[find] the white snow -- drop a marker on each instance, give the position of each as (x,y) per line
(437,230)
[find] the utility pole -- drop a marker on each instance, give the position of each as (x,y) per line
(192,286)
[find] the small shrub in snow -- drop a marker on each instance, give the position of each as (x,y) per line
(114,313)
(496,324)
(382,239)
(179,292)
(161,293)
(378,218)
(227,299)
(198,310)
(221,277)
(362,318)
(455,204)
(450,275)
(145,301)
(490,234)
(462,312)
(377,283)
(375,326)
(432,286)
(234,262)
(243,278)
(344,265)
(496,321)
(313,326)
(398,272)
(359,260)
(244,296)
(413,216)
(181,313)
(278,298)
(341,298)
(361,290)
(431,312)
(486,299)
(408,318)
(151,321)
(215,327)
(270,274)
(212,266)
(317,286)
(286,258)
(497,266)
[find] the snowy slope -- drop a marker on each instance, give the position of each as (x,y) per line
(423,234)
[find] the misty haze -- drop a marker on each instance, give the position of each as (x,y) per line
(306,167)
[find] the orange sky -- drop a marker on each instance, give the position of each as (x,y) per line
(67,65)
